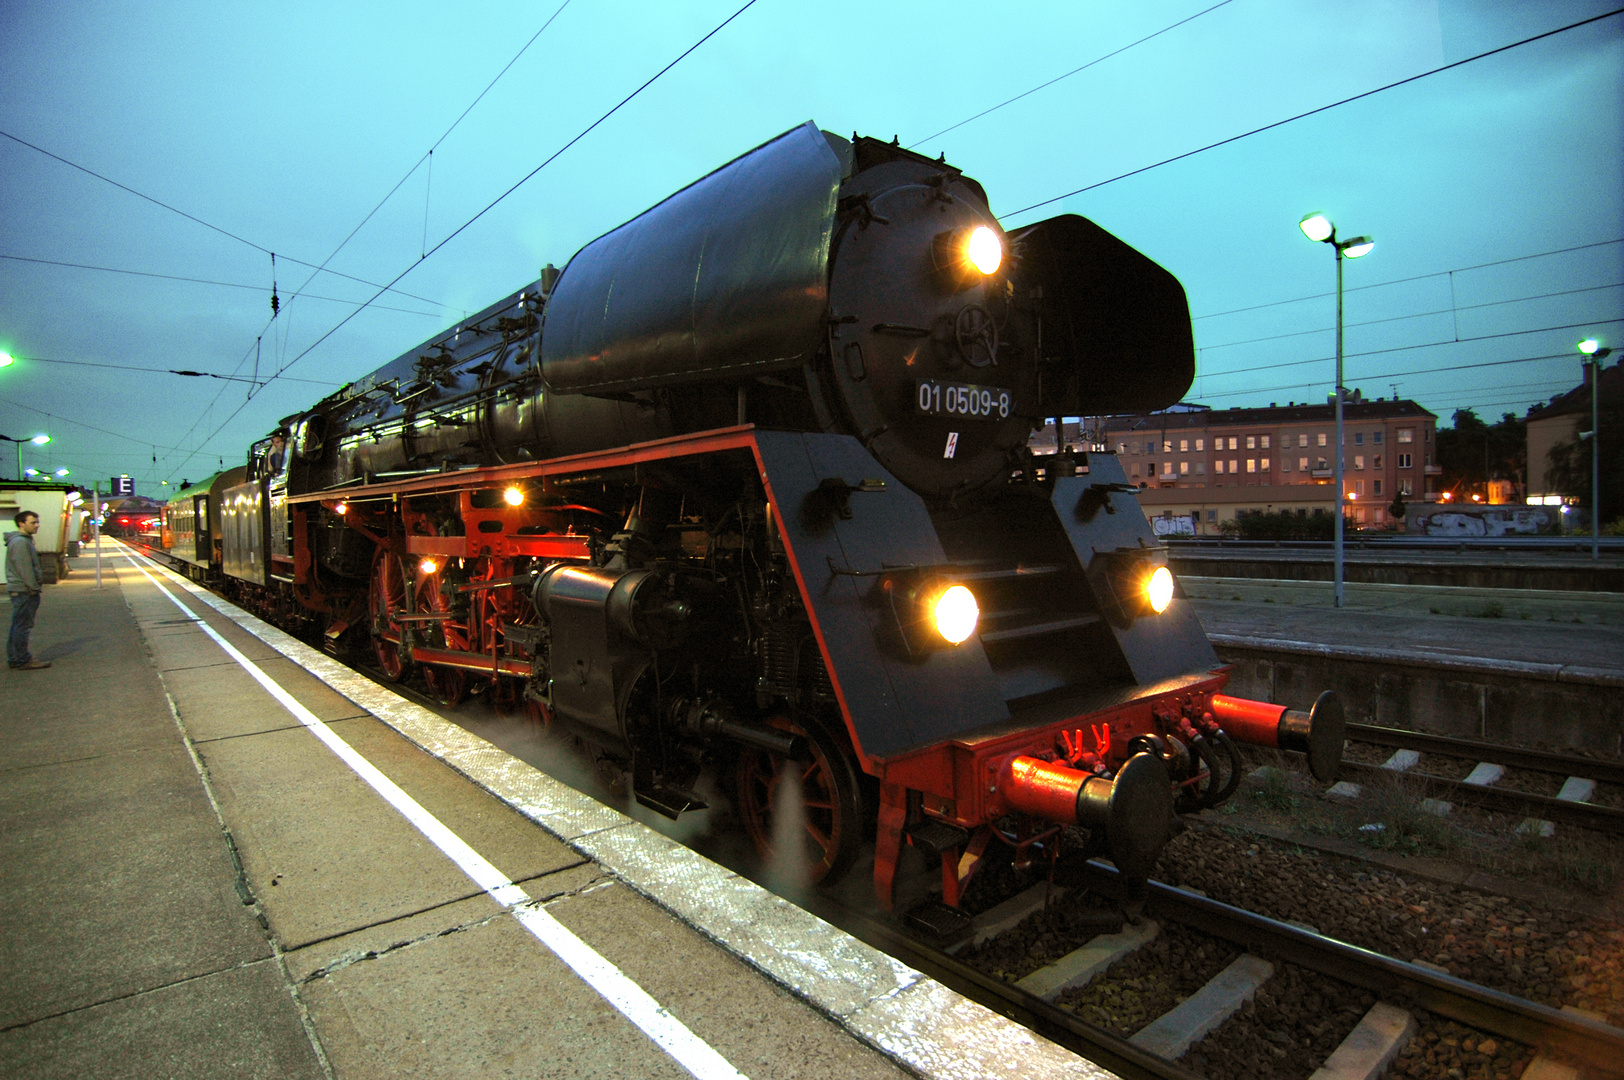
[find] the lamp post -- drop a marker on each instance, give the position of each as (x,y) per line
(1594,353)
(38,440)
(1318,228)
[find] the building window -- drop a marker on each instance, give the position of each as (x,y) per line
(1133,470)
(1184,468)
(1322,439)
(1234,466)
(1377,463)
(1358,461)
(1358,438)
(1263,441)
(1378,488)
(1201,468)
(1232,446)
(1359,487)
(1406,487)
(1200,445)
(1122,448)
(1302,464)
(1184,446)
(1376,437)
(1302,438)
(1405,461)
(1321,464)
(1264,464)
(1212,515)
(1251,464)
(1406,435)
(1251,442)
(1285,464)
(1218,466)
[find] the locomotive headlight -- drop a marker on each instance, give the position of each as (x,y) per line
(513,496)
(984,250)
(962,257)
(428,566)
(1159,589)
(955,613)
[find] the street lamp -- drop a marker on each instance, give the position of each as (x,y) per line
(1319,228)
(1595,352)
(38,440)
(6,359)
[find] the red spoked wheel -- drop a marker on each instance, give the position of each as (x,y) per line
(447,685)
(821,835)
(387,600)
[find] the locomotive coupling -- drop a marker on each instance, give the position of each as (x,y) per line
(1134,807)
(1319,732)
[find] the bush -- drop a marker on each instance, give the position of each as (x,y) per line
(1283,525)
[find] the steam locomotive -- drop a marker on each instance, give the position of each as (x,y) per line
(746,488)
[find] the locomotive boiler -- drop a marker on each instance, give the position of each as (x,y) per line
(745,490)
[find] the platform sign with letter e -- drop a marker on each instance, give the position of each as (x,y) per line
(123,485)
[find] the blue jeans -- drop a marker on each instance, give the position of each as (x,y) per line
(24,606)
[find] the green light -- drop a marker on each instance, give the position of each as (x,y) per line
(6,359)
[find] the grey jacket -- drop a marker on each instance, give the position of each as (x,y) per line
(23,571)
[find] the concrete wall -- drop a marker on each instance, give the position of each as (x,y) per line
(1540,705)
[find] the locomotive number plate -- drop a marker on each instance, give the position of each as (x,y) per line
(934,398)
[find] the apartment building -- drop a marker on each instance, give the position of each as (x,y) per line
(1389,449)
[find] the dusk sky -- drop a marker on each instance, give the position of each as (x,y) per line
(1494,188)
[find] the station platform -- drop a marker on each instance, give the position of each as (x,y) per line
(1583,630)
(224,854)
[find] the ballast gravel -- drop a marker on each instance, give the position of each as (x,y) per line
(1547,956)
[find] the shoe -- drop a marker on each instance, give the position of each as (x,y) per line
(33,665)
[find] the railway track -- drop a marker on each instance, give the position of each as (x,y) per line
(1597,1049)
(1571,806)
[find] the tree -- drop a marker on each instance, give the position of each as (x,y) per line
(1568,463)
(1471,453)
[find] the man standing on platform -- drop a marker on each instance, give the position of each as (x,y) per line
(24,576)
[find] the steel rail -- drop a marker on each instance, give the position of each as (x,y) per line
(1608,772)
(1506,800)
(1043,1017)
(1600,1046)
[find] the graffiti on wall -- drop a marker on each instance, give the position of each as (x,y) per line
(1173,525)
(1488,521)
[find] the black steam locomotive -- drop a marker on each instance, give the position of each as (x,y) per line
(746,488)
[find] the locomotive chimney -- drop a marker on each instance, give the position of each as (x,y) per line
(549,278)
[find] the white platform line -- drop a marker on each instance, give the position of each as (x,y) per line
(613,985)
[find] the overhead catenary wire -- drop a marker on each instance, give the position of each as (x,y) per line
(1417,315)
(1418,277)
(351,235)
(1069,74)
(200,281)
(159,371)
(1316,111)
(192,217)
(465,225)
(1408,348)
(1385,376)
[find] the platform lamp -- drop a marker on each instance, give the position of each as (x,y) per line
(1318,228)
(1595,352)
(38,440)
